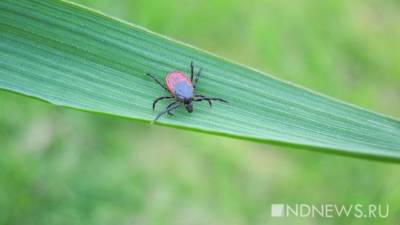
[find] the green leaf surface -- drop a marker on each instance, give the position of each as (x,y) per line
(75,57)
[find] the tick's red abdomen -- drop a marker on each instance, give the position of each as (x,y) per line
(175,77)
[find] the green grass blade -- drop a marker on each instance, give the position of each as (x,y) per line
(75,57)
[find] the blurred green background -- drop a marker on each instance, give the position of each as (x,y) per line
(60,166)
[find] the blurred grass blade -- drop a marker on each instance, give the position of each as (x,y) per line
(72,56)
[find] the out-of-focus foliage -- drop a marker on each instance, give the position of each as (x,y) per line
(59,166)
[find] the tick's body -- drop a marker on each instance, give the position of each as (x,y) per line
(182,90)
(179,85)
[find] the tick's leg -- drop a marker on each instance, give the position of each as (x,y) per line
(201,99)
(196,79)
(160,98)
(212,99)
(216,99)
(191,71)
(168,109)
(169,112)
(156,80)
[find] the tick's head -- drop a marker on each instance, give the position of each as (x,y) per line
(188,105)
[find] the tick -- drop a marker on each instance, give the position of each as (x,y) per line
(182,90)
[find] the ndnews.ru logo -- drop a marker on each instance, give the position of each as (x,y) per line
(330,210)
